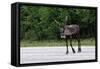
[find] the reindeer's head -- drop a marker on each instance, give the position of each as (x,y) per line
(62,32)
(65,30)
(62,27)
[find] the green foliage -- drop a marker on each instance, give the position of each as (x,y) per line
(38,22)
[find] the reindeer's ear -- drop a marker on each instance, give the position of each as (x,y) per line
(58,23)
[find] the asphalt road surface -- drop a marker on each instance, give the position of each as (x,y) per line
(54,54)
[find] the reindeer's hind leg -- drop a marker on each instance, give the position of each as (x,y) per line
(71,44)
(67,45)
(79,44)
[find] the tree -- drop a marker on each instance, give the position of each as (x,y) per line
(38,22)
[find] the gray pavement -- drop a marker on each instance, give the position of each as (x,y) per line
(53,54)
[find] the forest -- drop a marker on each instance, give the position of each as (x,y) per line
(39,22)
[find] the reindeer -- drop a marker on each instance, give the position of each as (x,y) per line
(70,32)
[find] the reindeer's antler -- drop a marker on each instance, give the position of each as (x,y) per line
(57,22)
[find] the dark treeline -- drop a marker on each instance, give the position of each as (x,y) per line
(38,22)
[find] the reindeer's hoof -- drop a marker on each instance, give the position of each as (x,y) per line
(79,50)
(73,51)
(66,52)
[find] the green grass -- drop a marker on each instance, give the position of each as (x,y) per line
(52,43)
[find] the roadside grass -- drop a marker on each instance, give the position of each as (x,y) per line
(54,43)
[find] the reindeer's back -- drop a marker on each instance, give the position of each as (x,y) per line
(71,29)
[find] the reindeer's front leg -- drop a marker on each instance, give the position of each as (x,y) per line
(71,44)
(66,45)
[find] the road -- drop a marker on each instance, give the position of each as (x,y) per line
(53,54)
